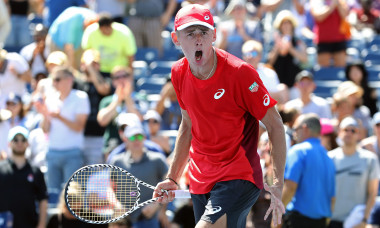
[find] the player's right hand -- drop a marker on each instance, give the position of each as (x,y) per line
(165,196)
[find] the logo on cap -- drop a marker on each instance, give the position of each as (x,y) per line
(207,17)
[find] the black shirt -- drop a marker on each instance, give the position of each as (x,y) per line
(19,191)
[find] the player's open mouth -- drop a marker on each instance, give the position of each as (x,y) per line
(198,55)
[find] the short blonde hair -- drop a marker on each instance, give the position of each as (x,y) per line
(251,45)
(57,57)
(121,68)
(90,55)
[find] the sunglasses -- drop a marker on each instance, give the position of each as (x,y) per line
(153,121)
(16,140)
(120,76)
(57,79)
(136,137)
(251,54)
(353,131)
(11,103)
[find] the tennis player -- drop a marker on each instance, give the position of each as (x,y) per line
(222,100)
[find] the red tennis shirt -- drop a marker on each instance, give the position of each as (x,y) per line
(224,112)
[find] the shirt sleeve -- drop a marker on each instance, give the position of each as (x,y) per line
(176,83)
(374,172)
(294,165)
(84,103)
(251,92)
(41,190)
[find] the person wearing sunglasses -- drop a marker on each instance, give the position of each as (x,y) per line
(252,54)
(22,185)
(145,165)
(64,119)
(357,178)
(309,188)
(153,119)
(122,100)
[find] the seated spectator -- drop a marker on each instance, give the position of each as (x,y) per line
(288,52)
(252,54)
(5,22)
(329,37)
(23,189)
(234,32)
(354,95)
(308,102)
(15,105)
(372,143)
(5,125)
(124,120)
(145,165)
(366,16)
(354,166)
(36,53)
(154,125)
(328,134)
(14,74)
(357,73)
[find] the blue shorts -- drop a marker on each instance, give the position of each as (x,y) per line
(374,218)
(234,198)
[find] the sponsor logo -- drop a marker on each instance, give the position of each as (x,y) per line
(254,87)
(212,210)
(30,177)
(207,17)
(266,100)
(219,94)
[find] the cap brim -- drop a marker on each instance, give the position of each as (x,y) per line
(195,23)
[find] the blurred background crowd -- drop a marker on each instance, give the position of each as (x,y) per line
(89,82)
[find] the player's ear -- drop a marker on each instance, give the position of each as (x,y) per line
(175,38)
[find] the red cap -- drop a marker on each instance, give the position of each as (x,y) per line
(193,14)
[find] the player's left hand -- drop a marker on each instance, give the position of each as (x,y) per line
(276,206)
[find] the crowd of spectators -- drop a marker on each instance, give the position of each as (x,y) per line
(69,77)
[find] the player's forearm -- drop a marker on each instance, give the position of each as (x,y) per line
(276,135)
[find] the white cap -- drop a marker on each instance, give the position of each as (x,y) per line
(376,118)
(132,130)
(348,121)
(152,114)
(127,118)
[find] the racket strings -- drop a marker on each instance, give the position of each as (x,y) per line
(102,194)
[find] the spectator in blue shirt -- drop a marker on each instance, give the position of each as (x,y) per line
(309,188)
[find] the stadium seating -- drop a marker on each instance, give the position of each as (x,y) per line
(329,73)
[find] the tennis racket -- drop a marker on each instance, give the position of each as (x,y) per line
(105,193)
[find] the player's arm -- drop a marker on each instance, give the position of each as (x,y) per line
(276,133)
(181,156)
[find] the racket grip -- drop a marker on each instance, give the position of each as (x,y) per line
(182,194)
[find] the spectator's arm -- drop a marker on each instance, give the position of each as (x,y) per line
(167,15)
(101,85)
(107,114)
(343,9)
(43,205)
(299,7)
(299,54)
(290,188)
(77,125)
(320,13)
(69,50)
(372,193)
(272,6)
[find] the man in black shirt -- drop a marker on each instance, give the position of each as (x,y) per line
(22,185)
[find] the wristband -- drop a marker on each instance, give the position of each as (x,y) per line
(168,178)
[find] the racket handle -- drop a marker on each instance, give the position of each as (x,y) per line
(182,194)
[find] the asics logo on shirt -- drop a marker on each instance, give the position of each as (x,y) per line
(212,210)
(266,100)
(219,94)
